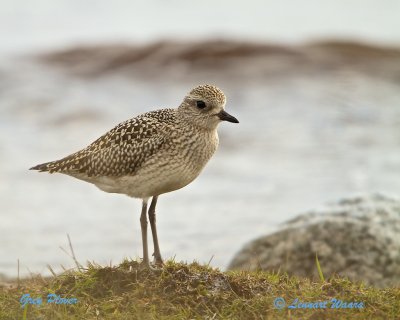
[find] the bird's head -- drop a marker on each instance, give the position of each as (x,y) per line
(204,107)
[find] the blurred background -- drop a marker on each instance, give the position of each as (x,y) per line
(315,85)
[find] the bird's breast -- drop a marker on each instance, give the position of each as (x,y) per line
(180,162)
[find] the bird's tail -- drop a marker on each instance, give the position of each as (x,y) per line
(70,163)
(50,167)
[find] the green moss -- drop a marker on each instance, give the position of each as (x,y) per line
(191,291)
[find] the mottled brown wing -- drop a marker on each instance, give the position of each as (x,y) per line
(121,151)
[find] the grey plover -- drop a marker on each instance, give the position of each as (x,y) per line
(154,153)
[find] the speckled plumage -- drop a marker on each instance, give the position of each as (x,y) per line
(122,150)
(154,153)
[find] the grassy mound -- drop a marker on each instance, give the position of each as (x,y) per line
(191,291)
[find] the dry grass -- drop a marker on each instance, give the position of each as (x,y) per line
(190,291)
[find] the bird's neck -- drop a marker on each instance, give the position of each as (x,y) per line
(202,125)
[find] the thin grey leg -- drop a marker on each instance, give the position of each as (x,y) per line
(143,224)
(152,217)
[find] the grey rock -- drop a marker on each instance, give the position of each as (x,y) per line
(358,238)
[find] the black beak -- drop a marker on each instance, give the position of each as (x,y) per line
(225,116)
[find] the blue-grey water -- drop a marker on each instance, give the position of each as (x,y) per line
(301,141)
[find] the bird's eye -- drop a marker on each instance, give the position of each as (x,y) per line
(200,104)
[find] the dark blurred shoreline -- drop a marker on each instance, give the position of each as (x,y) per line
(224,59)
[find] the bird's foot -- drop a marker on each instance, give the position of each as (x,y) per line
(158,261)
(145,265)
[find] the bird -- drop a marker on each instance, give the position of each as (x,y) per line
(151,154)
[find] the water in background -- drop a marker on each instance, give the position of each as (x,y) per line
(301,141)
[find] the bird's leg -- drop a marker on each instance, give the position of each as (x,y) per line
(152,217)
(143,224)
